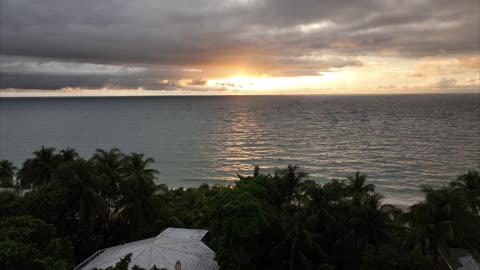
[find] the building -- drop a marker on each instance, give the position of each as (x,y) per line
(457,259)
(172,249)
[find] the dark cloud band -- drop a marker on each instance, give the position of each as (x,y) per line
(109,39)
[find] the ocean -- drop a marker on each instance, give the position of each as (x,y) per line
(400,141)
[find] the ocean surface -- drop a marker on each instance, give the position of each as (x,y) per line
(400,141)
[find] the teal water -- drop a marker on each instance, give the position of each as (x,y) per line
(401,142)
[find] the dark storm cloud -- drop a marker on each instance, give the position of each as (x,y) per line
(165,38)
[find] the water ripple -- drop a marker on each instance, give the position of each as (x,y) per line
(401,142)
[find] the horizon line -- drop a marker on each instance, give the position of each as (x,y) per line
(240,95)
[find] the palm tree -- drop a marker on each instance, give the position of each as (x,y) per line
(7,173)
(335,191)
(313,194)
(68,154)
(136,165)
(190,206)
(138,200)
(39,170)
(357,187)
(442,219)
(371,221)
(7,169)
(470,183)
(108,162)
(288,183)
(299,244)
(78,176)
(109,168)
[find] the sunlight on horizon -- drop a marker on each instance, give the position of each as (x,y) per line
(268,84)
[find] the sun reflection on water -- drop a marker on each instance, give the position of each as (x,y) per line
(237,145)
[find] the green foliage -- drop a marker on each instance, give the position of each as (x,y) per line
(357,188)
(123,264)
(7,173)
(387,257)
(6,182)
(78,177)
(6,198)
(443,220)
(238,221)
(28,243)
(283,220)
(68,154)
(470,184)
(47,203)
(39,170)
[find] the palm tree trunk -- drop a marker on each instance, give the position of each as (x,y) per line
(292,253)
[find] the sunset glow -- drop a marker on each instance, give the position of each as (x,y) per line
(269,84)
(188,48)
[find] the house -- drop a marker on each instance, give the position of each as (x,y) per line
(457,259)
(172,249)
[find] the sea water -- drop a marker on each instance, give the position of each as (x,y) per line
(400,141)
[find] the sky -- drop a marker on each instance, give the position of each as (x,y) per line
(150,47)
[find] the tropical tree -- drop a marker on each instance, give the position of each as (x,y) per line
(68,154)
(137,165)
(238,223)
(7,173)
(470,184)
(357,187)
(288,182)
(335,191)
(300,246)
(442,220)
(39,170)
(371,221)
(262,221)
(29,243)
(48,203)
(391,257)
(78,176)
(189,206)
(109,167)
(137,202)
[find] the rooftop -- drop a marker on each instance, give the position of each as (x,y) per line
(459,259)
(163,251)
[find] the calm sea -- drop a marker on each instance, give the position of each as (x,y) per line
(400,142)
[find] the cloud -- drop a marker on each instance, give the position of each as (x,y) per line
(193,82)
(470,62)
(386,86)
(54,44)
(19,65)
(446,83)
(417,74)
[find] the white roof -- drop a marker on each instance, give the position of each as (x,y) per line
(162,251)
(468,263)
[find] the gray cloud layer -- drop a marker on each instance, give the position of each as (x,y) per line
(142,43)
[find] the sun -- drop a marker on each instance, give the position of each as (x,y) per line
(242,81)
(264,84)
(250,83)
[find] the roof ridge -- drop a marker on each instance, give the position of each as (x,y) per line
(160,253)
(186,258)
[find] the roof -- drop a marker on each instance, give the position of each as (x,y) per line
(459,259)
(162,251)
